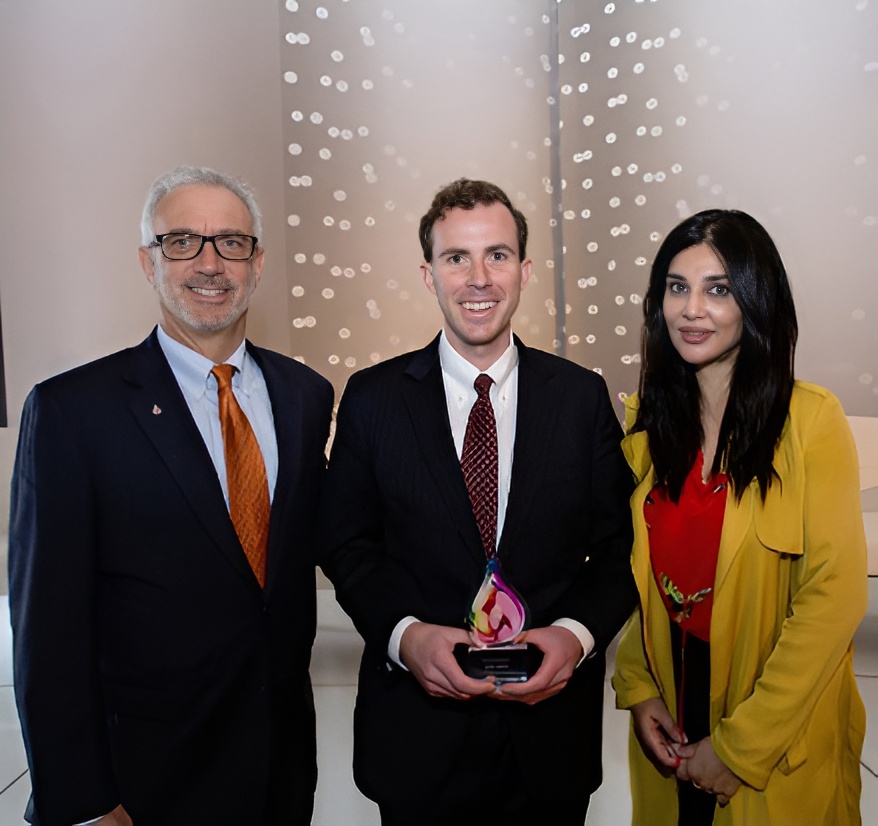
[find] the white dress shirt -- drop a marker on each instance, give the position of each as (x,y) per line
(460,395)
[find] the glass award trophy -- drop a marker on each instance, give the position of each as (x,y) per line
(496,621)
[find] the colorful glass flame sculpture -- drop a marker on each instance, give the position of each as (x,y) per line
(498,614)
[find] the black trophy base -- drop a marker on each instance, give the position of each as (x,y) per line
(505,663)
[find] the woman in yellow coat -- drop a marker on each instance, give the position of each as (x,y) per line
(749,552)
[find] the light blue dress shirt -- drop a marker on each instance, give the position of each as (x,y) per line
(192,371)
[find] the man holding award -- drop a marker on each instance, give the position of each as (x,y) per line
(478,534)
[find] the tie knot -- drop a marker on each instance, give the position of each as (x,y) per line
(223,373)
(483,384)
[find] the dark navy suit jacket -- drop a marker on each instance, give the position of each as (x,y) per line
(150,668)
(401,539)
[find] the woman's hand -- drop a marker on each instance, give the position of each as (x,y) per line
(659,736)
(701,766)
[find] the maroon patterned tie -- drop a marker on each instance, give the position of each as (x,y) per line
(479,463)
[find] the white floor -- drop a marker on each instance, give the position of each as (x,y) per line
(334,669)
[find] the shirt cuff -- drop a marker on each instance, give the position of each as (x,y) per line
(396,639)
(586,640)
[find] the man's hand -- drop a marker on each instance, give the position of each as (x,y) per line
(118,817)
(427,651)
(701,766)
(561,653)
(658,734)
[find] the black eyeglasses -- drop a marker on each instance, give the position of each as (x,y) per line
(183,246)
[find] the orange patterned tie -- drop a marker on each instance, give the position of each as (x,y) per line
(249,503)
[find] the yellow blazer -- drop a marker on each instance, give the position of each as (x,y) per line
(790,591)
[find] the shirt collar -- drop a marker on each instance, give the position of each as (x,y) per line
(192,370)
(458,369)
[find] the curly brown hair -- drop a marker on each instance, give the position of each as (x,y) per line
(467,194)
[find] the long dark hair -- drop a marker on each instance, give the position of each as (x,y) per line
(762,379)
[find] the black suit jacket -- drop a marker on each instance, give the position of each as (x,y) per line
(150,667)
(401,540)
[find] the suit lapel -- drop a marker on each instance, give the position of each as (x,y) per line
(286,408)
(424,393)
(534,430)
(159,407)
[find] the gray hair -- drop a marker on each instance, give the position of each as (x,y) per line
(186,175)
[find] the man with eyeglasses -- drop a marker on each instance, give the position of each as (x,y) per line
(161,549)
